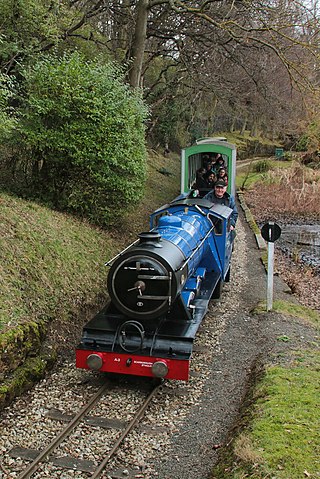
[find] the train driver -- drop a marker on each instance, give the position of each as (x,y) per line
(219,195)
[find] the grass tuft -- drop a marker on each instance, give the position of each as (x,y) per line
(282,439)
(297,311)
(291,309)
(286,424)
(49,262)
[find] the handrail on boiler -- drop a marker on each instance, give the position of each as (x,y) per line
(108,263)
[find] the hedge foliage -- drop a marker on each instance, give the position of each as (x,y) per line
(82,136)
(7,119)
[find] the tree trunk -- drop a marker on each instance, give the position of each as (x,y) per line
(254,128)
(139,41)
(244,126)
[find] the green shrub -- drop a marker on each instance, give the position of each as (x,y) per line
(7,119)
(262,166)
(303,143)
(287,156)
(81,133)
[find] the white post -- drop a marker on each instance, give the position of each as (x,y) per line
(270,275)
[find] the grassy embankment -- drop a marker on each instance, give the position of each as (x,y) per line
(281,436)
(52,272)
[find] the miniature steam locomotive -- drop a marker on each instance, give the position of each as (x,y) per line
(160,287)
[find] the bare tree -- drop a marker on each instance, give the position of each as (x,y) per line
(187,31)
(244,57)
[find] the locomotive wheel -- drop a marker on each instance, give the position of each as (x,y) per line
(217,290)
(227,278)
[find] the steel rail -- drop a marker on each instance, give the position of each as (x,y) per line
(125,433)
(63,434)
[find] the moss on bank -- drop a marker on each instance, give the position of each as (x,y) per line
(22,378)
(16,344)
(281,434)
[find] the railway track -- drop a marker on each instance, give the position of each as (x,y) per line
(173,417)
(64,437)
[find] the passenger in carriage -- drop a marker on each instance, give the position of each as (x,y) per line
(210,178)
(222,175)
(209,166)
(205,181)
(200,182)
(205,160)
(219,163)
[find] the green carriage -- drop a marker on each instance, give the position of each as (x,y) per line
(192,158)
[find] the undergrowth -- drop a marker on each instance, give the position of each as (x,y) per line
(52,264)
(258,172)
(294,189)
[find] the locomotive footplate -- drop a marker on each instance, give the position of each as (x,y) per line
(136,352)
(121,345)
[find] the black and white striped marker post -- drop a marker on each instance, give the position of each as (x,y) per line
(270,232)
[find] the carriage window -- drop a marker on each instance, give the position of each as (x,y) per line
(199,160)
(194,163)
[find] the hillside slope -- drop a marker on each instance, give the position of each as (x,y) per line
(52,275)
